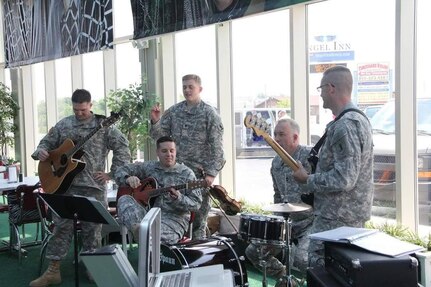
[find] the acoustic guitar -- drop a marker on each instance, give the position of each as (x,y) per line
(262,128)
(57,172)
(149,189)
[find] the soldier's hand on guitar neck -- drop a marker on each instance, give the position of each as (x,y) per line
(209,179)
(174,194)
(133,181)
(42,155)
(300,175)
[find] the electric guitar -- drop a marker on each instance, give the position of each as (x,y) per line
(57,172)
(149,189)
(262,128)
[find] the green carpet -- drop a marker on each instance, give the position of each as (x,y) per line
(14,274)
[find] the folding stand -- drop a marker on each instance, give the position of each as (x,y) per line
(78,208)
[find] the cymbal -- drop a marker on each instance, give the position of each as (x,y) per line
(287,207)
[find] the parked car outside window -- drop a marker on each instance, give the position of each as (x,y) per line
(383,123)
(370,111)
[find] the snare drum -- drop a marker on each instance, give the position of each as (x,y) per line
(267,230)
(197,253)
(244,225)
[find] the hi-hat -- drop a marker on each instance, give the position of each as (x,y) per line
(287,207)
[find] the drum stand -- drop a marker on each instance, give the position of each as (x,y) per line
(288,280)
(262,262)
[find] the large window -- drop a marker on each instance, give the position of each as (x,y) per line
(128,67)
(340,33)
(63,81)
(423,140)
(123,24)
(94,80)
(38,81)
(195,54)
(261,86)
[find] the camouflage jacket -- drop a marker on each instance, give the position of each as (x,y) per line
(343,182)
(95,149)
(198,134)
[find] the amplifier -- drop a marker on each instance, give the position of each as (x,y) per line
(319,277)
(356,267)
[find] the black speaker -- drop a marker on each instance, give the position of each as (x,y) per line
(352,266)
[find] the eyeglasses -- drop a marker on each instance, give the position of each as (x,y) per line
(319,89)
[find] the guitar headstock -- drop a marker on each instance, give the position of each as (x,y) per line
(259,125)
(111,119)
(197,184)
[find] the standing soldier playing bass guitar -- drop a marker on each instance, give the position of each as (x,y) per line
(179,195)
(89,180)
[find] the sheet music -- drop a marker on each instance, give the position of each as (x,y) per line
(344,234)
(370,239)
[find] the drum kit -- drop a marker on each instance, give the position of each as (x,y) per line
(274,231)
(261,230)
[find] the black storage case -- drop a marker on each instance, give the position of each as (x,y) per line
(319,277)
(356,267)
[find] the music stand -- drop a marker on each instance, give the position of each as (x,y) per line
(78,207)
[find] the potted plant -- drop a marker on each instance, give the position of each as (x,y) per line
(135,104)
(8,112)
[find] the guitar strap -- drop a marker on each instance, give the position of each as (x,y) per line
(308,198)
(313,158)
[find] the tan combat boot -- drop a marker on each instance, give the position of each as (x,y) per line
(51,276)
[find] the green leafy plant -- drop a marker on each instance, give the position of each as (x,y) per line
(253,208)
(8,111)
(135,104)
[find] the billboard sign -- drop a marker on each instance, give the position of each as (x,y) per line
(373,83)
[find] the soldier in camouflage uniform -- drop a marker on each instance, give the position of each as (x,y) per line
(175,206)
(91,181)
(286,189)
(198,132)
(343,182)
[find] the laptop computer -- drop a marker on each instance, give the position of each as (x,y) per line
(149,262)
(109,265)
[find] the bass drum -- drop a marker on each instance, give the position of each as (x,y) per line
(197,253)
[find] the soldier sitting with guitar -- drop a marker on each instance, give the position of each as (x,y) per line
(180,193)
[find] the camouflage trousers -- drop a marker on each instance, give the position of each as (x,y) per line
(316,250)
(131,213)
(59,243)
(298,256)
(201,217)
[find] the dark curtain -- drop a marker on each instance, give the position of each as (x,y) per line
(42,30)
(155,17)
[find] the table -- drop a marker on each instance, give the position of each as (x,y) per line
(10,186)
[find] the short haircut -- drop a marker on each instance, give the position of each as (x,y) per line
(193,77)
(292,124)
(80,96)
(164,139)
(340,77)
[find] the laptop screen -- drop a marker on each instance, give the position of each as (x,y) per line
(149,246)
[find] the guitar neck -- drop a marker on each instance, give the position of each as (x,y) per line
(84,140)
(287,158)
(159,191)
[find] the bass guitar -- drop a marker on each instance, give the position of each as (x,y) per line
(57,172)
(149,189)
(262,128)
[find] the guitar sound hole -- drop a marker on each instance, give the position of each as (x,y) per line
(63,159)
